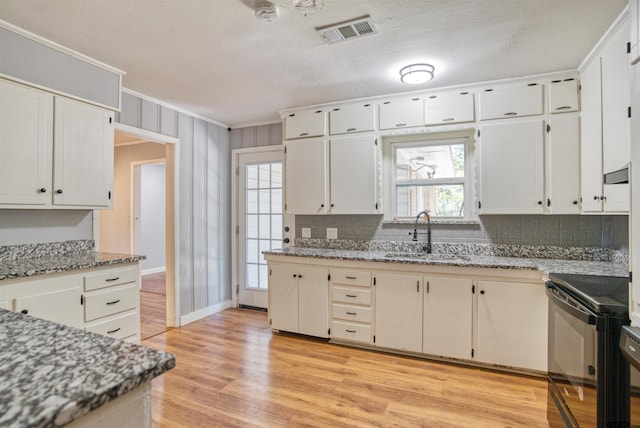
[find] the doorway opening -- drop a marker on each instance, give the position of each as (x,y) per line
(142,220)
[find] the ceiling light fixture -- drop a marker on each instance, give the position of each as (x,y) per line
(416,74)
(266,11)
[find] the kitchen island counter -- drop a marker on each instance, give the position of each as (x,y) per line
(51,375)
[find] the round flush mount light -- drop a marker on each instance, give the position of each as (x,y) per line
(416,74)
(266,11)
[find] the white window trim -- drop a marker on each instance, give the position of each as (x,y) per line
(389,182)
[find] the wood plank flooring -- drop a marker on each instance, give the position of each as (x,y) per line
(153,305)
(232,371)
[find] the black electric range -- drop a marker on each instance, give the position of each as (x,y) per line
(588,376)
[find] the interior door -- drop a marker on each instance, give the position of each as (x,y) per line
(260,222)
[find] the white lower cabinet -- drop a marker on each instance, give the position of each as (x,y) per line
(299,299)
(448,317)
(512,324)
(398,311)
(463,314)
(102,300)
(351,305)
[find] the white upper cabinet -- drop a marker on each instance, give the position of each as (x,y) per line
(616,93)
(449,108)
(354,175)
(563,166)
(512,168)
(26,142)
(54,151)
(310,123)
(500,103)
(306,176)
(83,155)
(352,118)
(401,113)
(564,96)
(591,139)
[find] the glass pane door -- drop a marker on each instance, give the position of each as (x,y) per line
(260,221)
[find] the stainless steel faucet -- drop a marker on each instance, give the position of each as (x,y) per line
(415,229)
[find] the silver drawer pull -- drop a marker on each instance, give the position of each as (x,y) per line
(112,279)
(351,295)
(448,119)
(352,313)
(113,331)
(351,129)
(511,113)
(350,331)
(563,108)
(350,277)
(400,125)
(113,303)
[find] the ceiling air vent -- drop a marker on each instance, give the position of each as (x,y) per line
(350,30)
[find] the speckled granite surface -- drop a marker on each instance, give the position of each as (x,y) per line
(544,265)
(51,374)
(17,261)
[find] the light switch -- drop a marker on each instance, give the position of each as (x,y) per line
(332,233)
(306,232)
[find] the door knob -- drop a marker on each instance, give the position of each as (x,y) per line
(285,240)
(59,191)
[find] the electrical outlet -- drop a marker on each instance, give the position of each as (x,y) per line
(306,232)
(332,233)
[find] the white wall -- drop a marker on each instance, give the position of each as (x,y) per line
(152,217)
(39,226)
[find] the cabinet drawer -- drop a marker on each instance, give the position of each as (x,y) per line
(351,313)
(449,108)
(110,301)
(401,113)
(351,277)
(349,331)
(511,102)
(120,327)
(563,96)
(351,118)
(352,295)
(109,278)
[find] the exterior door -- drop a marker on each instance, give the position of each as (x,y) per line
(259,221)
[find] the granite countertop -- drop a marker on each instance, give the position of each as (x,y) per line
(545,266)
(51,374)
(24,267)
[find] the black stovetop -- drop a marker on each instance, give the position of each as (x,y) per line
(603,294)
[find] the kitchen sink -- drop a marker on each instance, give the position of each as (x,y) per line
(425,256)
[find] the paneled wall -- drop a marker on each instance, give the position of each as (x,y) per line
(204,217)
(256,136)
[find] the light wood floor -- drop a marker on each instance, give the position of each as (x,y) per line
(153,305)
(232,371)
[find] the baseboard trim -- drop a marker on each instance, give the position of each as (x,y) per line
(153,270)
(204,312)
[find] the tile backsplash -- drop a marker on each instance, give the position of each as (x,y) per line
(555,230)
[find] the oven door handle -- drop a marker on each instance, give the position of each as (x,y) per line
(585,317)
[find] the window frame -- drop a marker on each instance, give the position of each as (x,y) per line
(390,184)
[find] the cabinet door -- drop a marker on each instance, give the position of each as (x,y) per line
(283,297)
(83,155)
(26,136)
(62,306)
(563,166)
(306,178)
(449,108)
(511,102)
(616,93)
(511,165)
(398,311)
(447,321)
(351,118)
(304,124)
(616,198)
(591,139)
(401,113)
(313,300)
(512,324)
(563,96)
(354,175)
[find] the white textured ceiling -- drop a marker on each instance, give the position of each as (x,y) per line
(214,58)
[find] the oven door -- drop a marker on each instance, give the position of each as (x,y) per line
(573,381)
